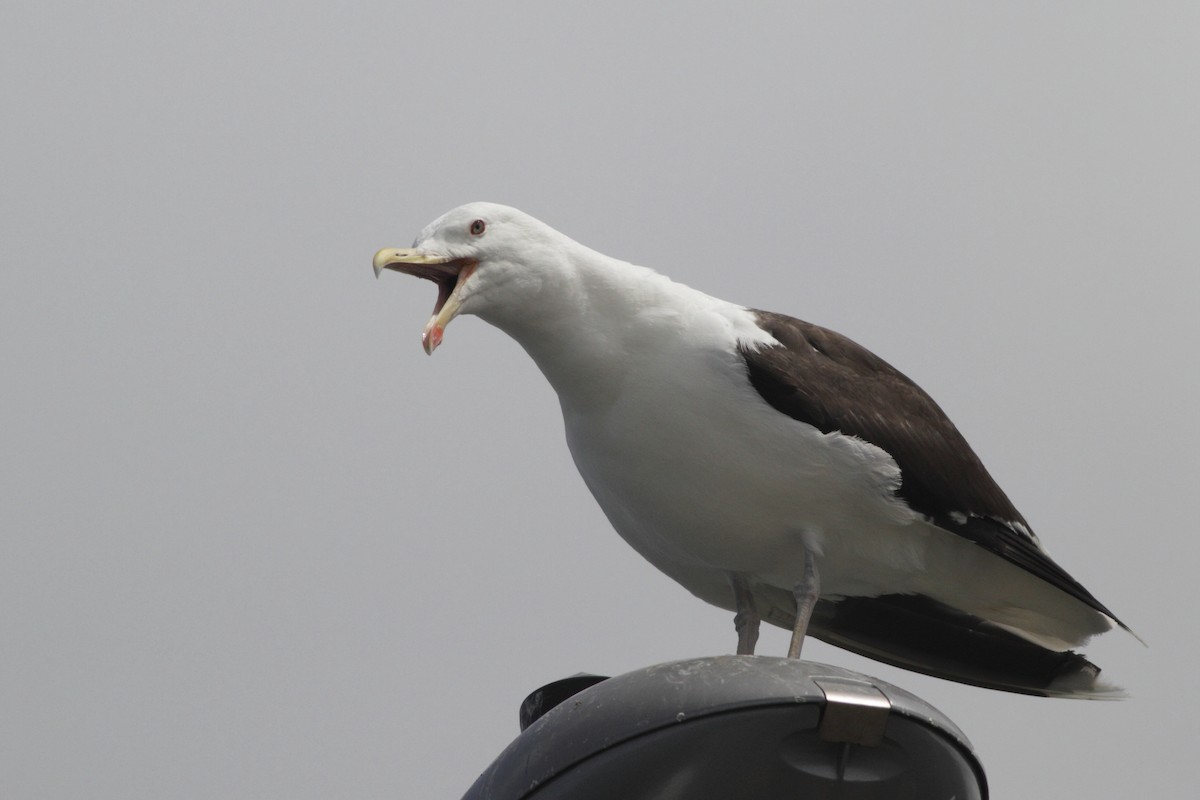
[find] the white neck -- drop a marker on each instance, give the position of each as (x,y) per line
(595,319)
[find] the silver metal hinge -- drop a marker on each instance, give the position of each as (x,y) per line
(856,712)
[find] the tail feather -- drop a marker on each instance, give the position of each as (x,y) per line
(921,634)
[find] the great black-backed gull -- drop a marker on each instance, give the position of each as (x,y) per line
(772,467)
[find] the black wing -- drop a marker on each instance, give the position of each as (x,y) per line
(926,636)
(828,381)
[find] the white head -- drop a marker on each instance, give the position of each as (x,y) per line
(486,259)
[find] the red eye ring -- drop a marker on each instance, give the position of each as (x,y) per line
(478,227)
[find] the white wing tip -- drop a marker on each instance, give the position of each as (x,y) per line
(1085,686)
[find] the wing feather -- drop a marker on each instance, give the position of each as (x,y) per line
(826,380)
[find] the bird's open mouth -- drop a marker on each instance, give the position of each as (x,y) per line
(444,275)
(448,273)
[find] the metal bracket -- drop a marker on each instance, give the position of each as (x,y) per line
(856,712)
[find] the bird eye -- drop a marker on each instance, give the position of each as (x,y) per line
(478,227)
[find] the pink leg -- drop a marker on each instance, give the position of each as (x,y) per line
(806,593)
(746,620)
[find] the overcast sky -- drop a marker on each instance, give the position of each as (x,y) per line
(255,544)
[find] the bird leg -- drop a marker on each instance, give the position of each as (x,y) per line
(747,618)
(806,593)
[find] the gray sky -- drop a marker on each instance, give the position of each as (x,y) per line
(255,544)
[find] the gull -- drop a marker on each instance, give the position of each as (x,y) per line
(772,467)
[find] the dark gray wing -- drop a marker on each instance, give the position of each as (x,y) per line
(822,378)
(926,636)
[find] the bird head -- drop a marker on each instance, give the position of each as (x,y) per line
(486,259)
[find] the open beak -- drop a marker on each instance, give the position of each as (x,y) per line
(448,273)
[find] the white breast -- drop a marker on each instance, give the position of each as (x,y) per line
(704,478)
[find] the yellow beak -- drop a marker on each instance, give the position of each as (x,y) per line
(448,273)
